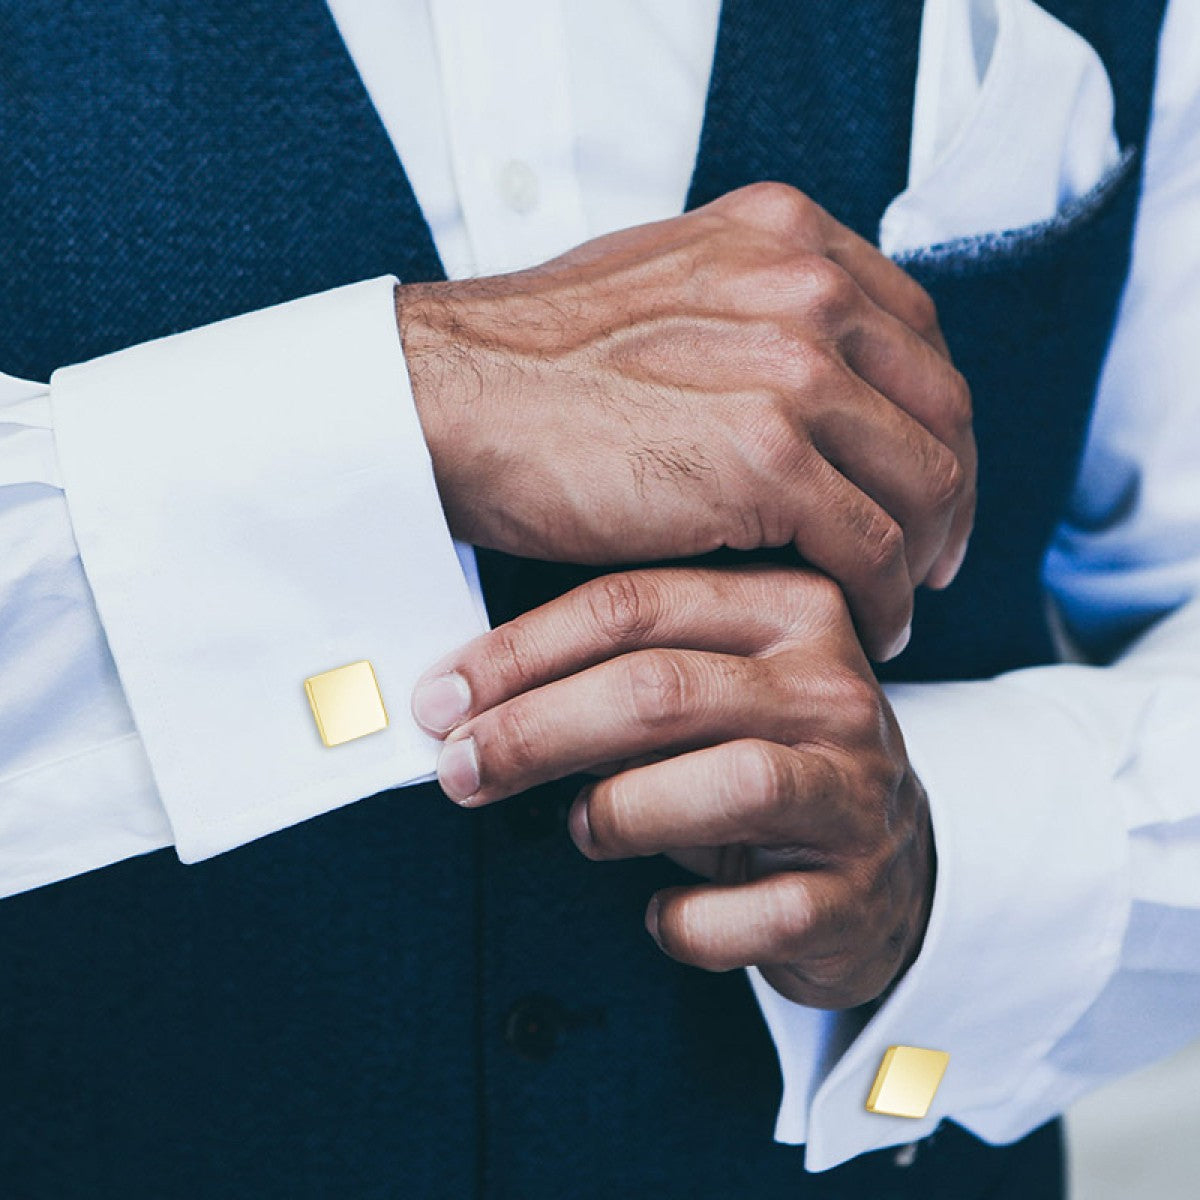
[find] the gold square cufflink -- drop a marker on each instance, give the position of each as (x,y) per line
(907,1081)
(346,703)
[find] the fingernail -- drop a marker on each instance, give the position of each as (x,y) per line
(652,920)
(900,643)
(458,770)
(946,576)
(959,558)
(581,827)
(440,703)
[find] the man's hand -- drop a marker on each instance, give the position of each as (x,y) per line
(751,374)
(737,727)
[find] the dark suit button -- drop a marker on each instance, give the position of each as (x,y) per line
(537,813)
(534,1026)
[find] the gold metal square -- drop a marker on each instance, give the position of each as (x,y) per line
(346,703)
(907,1081)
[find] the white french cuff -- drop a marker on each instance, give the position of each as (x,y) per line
(254,503)
(1030,908)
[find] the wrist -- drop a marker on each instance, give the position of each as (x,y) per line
(429,357)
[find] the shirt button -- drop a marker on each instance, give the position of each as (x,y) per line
(518,186)
(534,1027)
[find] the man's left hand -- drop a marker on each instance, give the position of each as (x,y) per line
(736,725)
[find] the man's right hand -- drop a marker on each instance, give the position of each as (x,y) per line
(750,374)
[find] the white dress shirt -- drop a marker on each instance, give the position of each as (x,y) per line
(173,568)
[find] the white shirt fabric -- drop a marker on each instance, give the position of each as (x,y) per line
(192,527)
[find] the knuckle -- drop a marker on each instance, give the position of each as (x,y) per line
(659,688)
(769,438)
(833,294)
(859,700)
(516,752)
(509,655)
(857,704)
(777,206)
(945,480)
(814,368)
(747,528)
(882,546)
(624,607)
(788,911)
(760,771)
(829,948)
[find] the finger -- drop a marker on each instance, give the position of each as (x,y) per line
(905,369)
(729,611)
(888,285)
(747,791)
(900,465)
(846,534)
(907,372)
(946,567)
(793,917)
(638,703)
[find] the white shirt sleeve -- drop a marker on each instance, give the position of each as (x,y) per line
(191,528)
(1063,947)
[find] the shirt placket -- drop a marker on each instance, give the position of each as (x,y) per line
(508,117)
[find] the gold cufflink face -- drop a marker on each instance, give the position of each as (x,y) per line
(346,703)
(907,1081)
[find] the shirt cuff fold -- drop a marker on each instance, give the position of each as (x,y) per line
(254,504)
